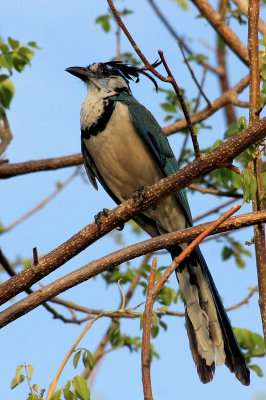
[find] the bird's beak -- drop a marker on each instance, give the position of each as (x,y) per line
(79,72)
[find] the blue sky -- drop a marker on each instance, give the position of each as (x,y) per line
(44,118)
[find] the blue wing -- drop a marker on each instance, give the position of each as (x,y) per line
(154,138)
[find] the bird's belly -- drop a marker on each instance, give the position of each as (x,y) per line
(125,164)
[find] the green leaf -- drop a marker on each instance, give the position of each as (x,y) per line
(68,394)
(34,45)
(257,369)
(76,358)
(18,377)
(227,253)
(35,387)
(81,389)
(25,53)
(163,325)
(103,20)
(3,47)
(182,3)
(170,108)
(33,396)
(3,77)
(154,331)
(18,62)
(14,44)
(30,371)
(88,359)
(249,185)
(6,61)
(57,395)
(7,91)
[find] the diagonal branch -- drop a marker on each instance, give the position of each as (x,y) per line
(221,156)
(116,258)
(155,288)
(215,19)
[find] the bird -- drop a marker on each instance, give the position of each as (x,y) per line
(125,149)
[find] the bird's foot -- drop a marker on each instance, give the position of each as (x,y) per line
(139,194)
(97,217)
(120,226)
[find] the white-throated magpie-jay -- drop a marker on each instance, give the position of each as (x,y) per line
(124,147)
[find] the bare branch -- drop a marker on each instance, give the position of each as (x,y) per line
(48,164)
(215,192)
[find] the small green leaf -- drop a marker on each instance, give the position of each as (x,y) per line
(34,45)
(154,331)
(68,394)
(3,77)
(81,389)
(18,377)
(163,325)
(35,387)
(170,108)
(14,44)
(76,358)
(182,3)
(30,371)
(3,47)
(103,20)
(257,369)
(57,395)
(227,253)
(7,91)
(249,185)
(6,61)
(88,359)
(33,396)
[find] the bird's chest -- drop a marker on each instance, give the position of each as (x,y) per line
(121,157)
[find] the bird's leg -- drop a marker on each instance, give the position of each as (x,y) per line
(139,194)
(100,214)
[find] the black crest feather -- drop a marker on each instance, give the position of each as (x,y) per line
(128,70)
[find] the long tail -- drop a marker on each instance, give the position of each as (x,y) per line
(211,337)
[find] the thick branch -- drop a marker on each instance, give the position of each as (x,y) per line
(116,258)
(215,19)
(259,230)
(221,156)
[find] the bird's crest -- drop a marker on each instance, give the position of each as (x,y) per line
(128,71)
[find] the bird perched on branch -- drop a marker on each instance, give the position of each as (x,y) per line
(124,148)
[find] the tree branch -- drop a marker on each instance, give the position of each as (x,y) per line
(116,258)
(221,156)
(259,230)
(215,19)
(155,288)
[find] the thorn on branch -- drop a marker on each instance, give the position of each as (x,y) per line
(35,256)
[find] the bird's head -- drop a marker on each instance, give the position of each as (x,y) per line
(111,77)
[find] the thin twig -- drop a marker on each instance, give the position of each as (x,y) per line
(213,210)
(245,300)
(215,192)
(183,105)
(42,203)
(178,38)
(193,75)
(153,291)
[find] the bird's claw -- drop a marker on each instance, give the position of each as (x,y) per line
(120,226)
(139,194)
(97,217)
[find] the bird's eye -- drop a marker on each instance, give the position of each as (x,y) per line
(105,71)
